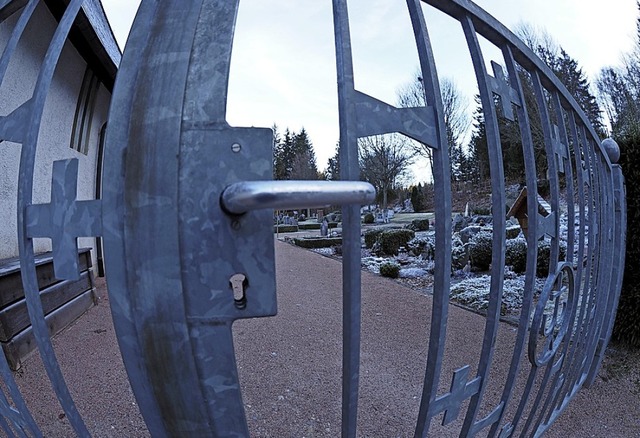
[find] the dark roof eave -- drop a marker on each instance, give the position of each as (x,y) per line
(92,36)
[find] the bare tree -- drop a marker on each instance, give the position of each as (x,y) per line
(456,117)
(384,159)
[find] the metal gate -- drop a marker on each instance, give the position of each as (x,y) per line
(178,175)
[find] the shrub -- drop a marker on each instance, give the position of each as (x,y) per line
(285,229)
(419,225)
(424,245)
(516,254)
(459,254)
(481,211)
(369,218)
(627,325)
(324,242)
(371,237)
(311,226)
(392,240)
(544,253)
(480,250)
(512,232)
(391,270)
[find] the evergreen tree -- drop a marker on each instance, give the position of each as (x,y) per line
(294,157)
(417,198)
(283,156)
(333,165)
(303,165)
(478,149)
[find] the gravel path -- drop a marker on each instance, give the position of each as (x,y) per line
(290,365)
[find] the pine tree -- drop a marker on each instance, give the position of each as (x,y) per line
(303,165)
(478,149)
(417,198)
(294,157)
(333,165)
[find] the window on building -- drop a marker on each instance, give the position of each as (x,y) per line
(84,112)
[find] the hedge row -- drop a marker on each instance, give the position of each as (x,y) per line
(324,242)
(627,326)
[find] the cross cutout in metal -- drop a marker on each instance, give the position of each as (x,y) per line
(461,389)
(586,175)
(500,86)
(560,149)
(65,219)
(547,225)
(507,430)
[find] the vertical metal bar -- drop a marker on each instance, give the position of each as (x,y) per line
(25,190)
(498,199)
(442,179)
(349,170)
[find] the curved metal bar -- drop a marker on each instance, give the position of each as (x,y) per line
(20,417)
(498,34)
(245,196)
(152,336)
(25,189)
(18,30)
(532,211)
(499,225)
(442,278)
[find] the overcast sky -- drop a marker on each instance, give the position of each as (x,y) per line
(283,68)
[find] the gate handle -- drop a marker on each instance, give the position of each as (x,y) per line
(241,197)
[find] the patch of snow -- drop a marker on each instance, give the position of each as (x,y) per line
(412,272)
(323,251)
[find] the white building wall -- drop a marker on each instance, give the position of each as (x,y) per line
(55,132)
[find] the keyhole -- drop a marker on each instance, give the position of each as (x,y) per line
(239,285)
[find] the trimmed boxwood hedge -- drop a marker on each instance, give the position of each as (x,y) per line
(481,250)
(371,236)
(311,226)
(391,240)
(324,242)
(285,229)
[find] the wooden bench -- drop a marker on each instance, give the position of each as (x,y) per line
(63,302)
